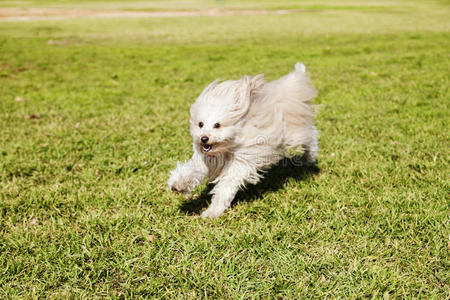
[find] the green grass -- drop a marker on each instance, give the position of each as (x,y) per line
(94,114)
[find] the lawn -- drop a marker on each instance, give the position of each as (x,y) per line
(94,113)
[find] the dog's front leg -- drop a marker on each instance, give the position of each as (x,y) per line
(228,184)
(186,176)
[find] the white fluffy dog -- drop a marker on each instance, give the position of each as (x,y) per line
(242,127)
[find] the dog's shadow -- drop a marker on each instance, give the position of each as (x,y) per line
(294,167)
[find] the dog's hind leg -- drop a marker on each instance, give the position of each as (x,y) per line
(311,147)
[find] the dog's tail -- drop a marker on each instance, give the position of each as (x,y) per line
(292,88)
(292,95)
(299,66)
(298,83)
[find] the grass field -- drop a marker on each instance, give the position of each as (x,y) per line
(94,114)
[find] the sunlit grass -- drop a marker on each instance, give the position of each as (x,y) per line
(94,114)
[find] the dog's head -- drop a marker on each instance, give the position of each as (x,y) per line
(219,111)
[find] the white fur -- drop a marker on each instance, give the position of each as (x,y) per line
(259,121)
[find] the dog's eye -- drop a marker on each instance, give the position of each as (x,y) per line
(200,124)
(217,125)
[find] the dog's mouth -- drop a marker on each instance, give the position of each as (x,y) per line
(207,147)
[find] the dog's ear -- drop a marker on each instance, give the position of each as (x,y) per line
(209,88)
(247,88)
(255,83)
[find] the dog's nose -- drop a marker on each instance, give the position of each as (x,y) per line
(204,139)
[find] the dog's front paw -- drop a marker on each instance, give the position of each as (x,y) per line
(213,212)
(178,183)
(178,187)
